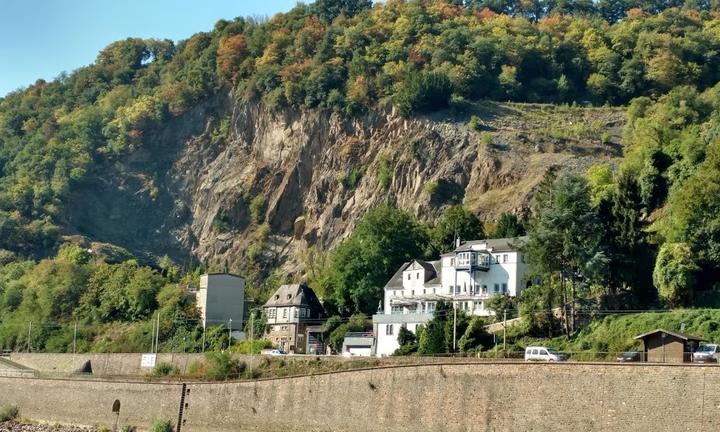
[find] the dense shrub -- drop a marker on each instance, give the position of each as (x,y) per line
(8,412)
(423,92)
(222,366)
(164,370)
(161,425)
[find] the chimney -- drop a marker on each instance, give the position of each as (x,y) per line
(457,242)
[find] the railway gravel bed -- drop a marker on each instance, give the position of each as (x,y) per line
(13,426)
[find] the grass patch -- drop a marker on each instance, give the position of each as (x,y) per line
(8,412)
(352,178)
(165,370)
(161,425)
(385,175)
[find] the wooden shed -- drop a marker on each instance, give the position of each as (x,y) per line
(663,346)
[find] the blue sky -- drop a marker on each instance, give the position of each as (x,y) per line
(41,38)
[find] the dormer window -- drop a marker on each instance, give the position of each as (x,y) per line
(289,296)
(277,297)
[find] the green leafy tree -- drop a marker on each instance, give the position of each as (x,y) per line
(407,341)
(330,9)
(423,92)
(508,226)
(431,339)
(500,303)
(564,235)
(475,337)
(74,254)
(356,323)
(601,182)
(384,239)
(675,274)
(456,223)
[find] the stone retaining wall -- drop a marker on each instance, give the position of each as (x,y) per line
(441,397)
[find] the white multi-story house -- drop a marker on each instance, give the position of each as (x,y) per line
(466,277)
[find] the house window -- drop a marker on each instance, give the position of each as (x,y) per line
(295,313)
(424,291)
(431,307)
(452,262)
(412,292)
(284,312)
(497,287)
(272,313)
(389,329)
(396,309)
(417,276)
(504,287)
(484,289)
(408,276)
(497,259)
(505,258)
(289,296)
(522,258)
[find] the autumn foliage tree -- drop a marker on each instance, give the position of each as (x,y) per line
(230,54)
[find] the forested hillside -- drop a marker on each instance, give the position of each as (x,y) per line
(261,144)
(420,55)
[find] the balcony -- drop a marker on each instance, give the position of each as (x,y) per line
(475,260)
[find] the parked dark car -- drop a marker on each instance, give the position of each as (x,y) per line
(629,356)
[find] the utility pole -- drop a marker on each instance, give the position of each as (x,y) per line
(75,337)
(152,335)
(29,335)
(229,332)
(252,347)
(504,329)
(454,325)
(203,338)
(157,334)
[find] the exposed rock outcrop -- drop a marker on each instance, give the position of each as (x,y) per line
(278,182)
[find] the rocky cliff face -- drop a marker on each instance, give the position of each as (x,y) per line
(232,182)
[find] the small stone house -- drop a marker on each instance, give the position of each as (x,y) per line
(294,320)
(663,346)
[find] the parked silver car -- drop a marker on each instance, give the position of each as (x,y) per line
(706,353)
(543,354)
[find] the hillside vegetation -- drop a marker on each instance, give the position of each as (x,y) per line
(419,55)
(608,336)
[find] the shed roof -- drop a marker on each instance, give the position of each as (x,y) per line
(676,334)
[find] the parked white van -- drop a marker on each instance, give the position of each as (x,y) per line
(536,353)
